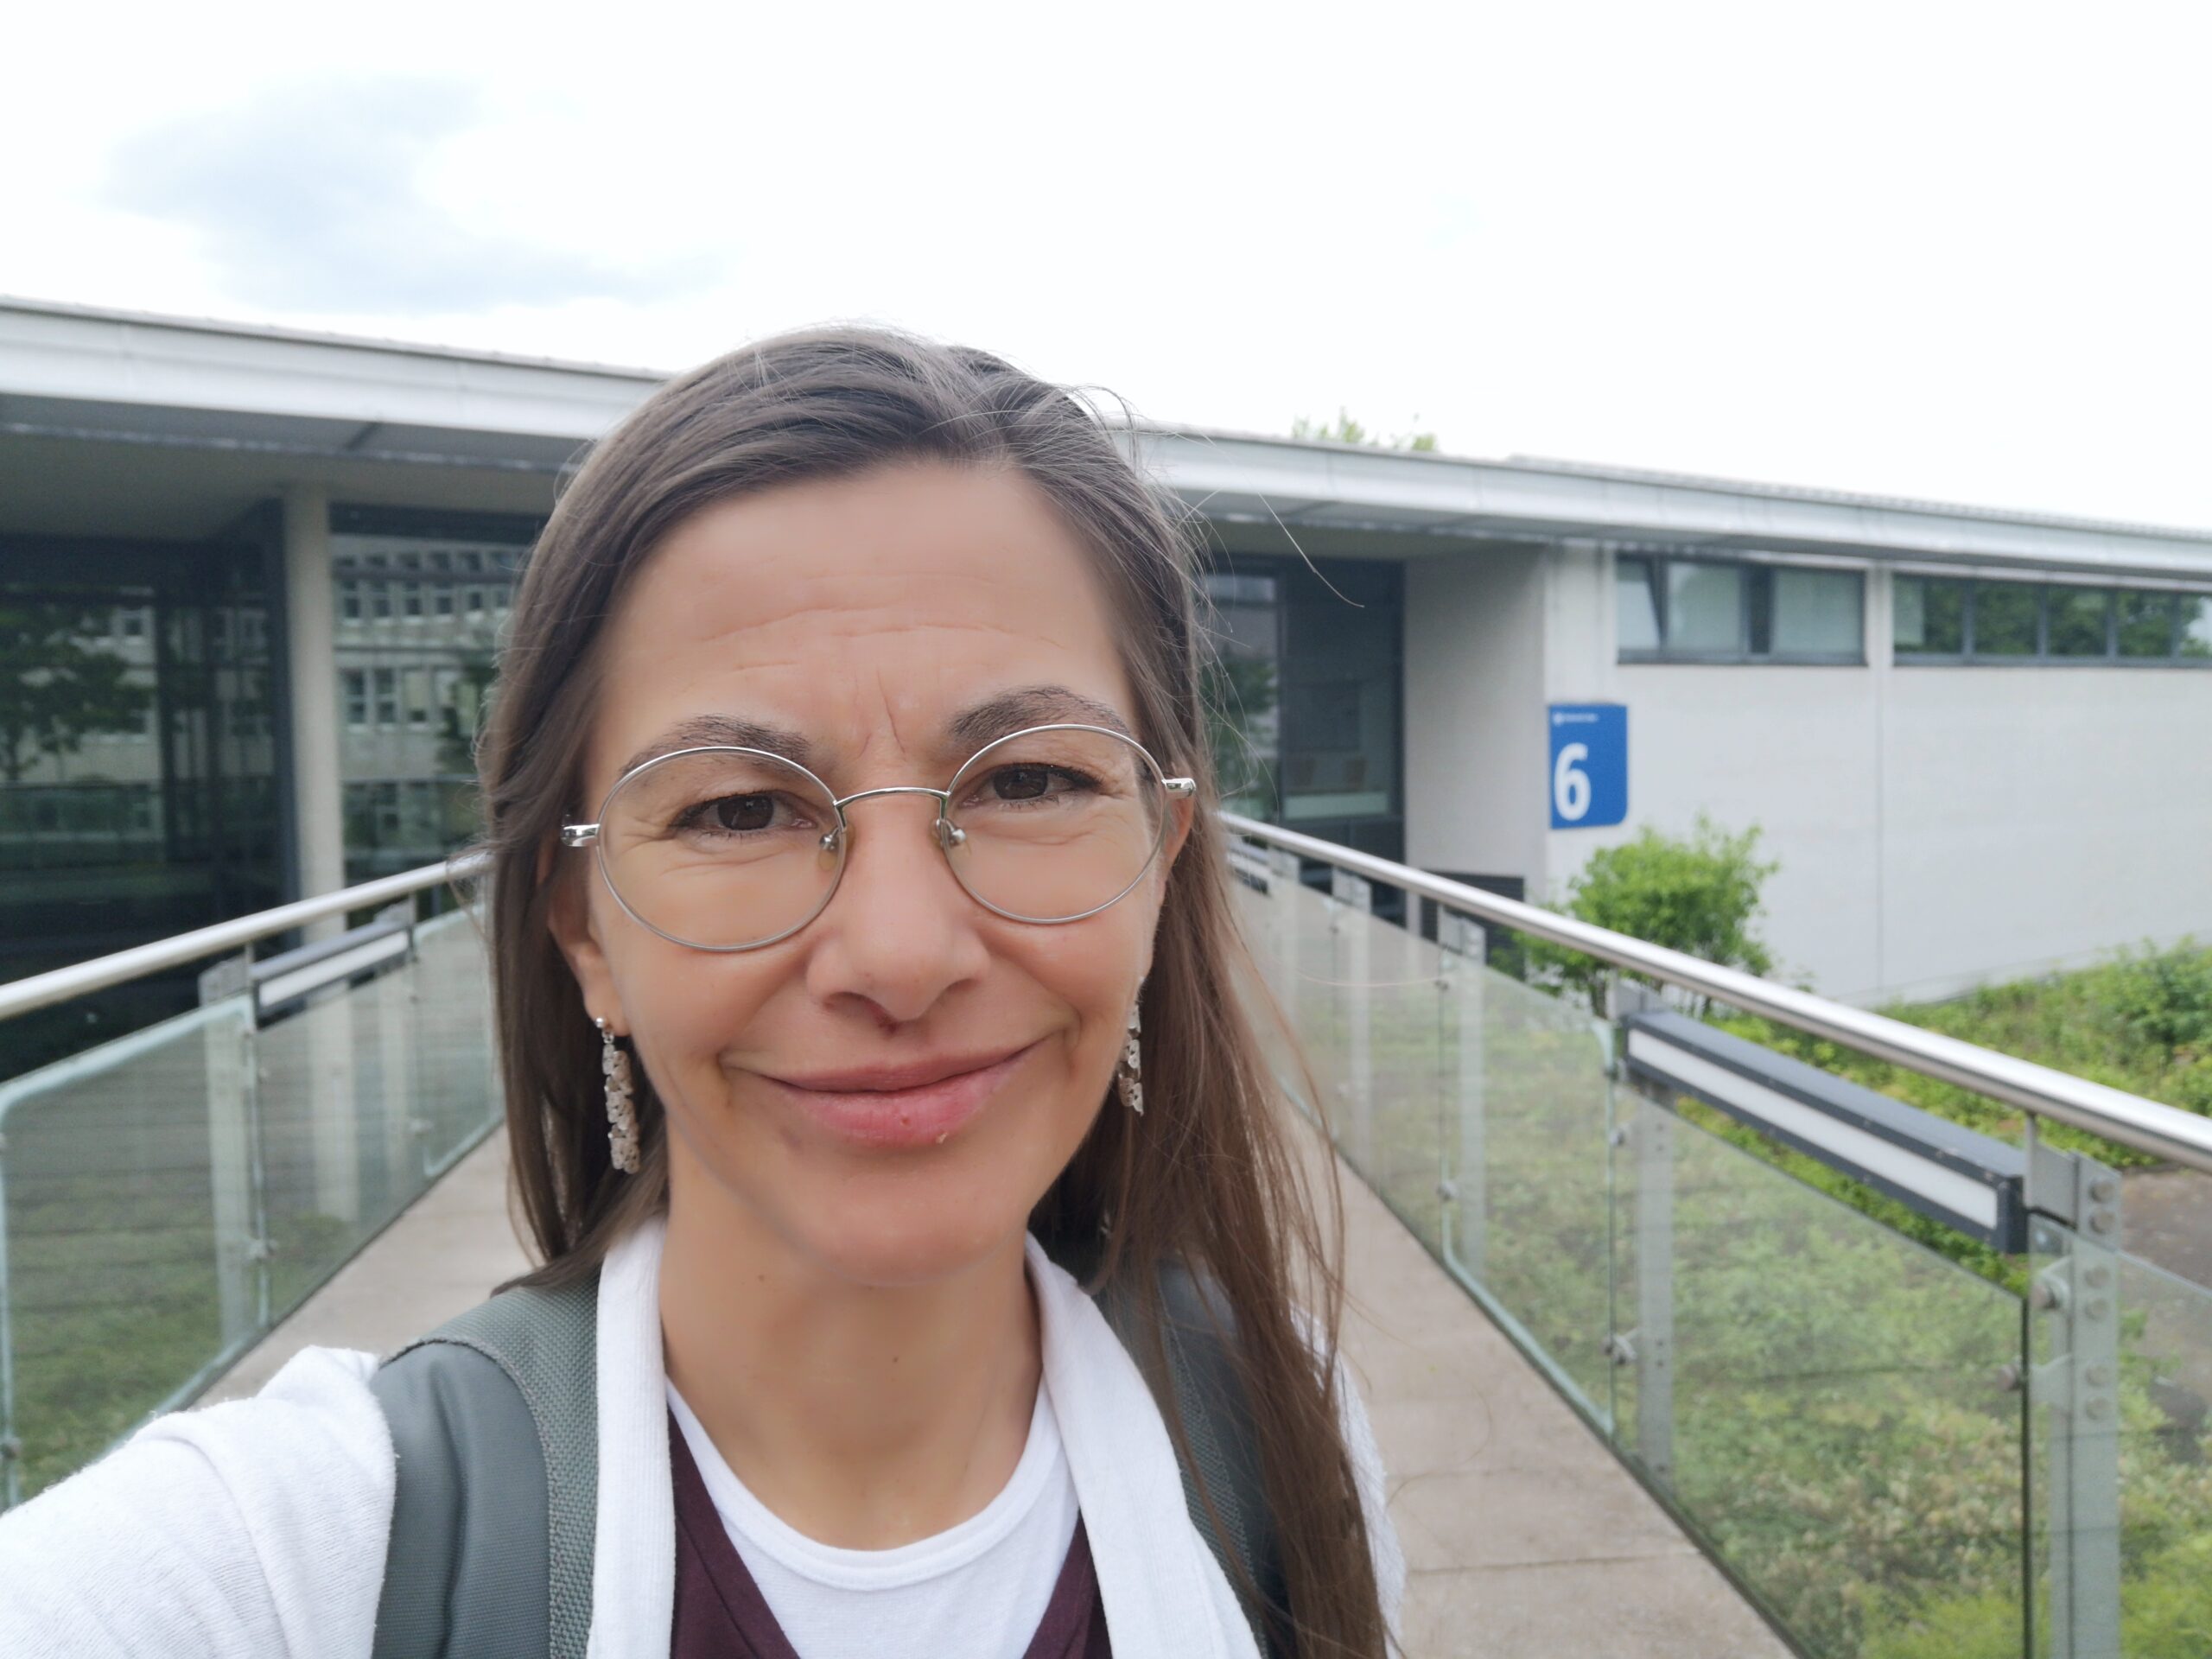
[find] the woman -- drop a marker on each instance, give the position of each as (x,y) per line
(866,975)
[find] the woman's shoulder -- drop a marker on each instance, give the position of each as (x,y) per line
(254,1527)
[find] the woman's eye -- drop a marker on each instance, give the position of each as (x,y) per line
(1021,783)
(1036,782)
(750,814)
(743,812)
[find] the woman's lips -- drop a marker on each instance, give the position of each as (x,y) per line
(918,1104)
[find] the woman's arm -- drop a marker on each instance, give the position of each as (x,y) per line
(249,1530)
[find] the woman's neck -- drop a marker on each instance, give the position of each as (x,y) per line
(863,1417)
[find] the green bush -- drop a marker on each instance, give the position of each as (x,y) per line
(1699,896)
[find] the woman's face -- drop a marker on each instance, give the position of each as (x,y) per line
(893,621)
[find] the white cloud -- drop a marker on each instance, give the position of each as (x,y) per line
(1948,251)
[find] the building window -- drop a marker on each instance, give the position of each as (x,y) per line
(1977,620)
(1811,615)
(1692,610)
(2080,621)
(349,600)
(387,683)
(356,682)
(2196,639)
(2007,619)
(1931,615)
(2144,624)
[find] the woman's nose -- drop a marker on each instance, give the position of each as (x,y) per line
(900,930)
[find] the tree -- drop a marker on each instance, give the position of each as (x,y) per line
(55,689)
(1344,429)
(1699,896)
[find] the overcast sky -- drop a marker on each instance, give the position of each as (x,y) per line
(1942,250)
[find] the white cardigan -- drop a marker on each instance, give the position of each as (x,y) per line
(256,1529)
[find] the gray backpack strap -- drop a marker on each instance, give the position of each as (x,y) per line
(494,1417)
(1200,1332)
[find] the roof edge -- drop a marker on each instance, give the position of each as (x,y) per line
(324,337)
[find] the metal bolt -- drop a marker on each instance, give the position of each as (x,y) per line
(2045,1240)
(2100,1221)
(10,1449)
(1448,1188)
(2104,1188)
(2096,1308)
(1616,1137)
(2100,1376)
(2008,1378)
(2045,1296)
(2098,1409)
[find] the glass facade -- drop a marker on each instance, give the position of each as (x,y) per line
(1703,610)
(139,765)
(422,602)
(1305,691)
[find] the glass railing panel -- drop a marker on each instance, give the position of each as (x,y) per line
(339,1083)
(127,1218)
(457,1082)
(1833,1405)
(1531,1213)
(2121,1422)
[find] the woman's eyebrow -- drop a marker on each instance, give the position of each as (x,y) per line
(725,732)
(1031,705)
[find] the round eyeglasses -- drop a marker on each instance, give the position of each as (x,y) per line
(734,849)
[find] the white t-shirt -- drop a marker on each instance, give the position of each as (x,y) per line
(979,1589)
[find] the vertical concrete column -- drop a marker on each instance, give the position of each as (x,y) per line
(311,626)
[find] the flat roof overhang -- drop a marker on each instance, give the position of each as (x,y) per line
(120,423)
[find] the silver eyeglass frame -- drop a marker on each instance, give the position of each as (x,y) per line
(948,835)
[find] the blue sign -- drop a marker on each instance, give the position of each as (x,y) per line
(1589,777)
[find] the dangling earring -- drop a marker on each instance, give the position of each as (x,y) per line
(621,1115)
(1130,1075)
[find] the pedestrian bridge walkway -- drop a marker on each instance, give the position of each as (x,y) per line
(1672,1340)
(1524,1537)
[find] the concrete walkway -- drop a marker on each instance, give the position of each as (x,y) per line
(1523,1537)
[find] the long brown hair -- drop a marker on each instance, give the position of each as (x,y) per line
(1206,1177)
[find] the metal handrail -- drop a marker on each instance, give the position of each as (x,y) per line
(2163,1131)
(43,991)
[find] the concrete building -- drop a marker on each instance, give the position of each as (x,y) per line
(252,583)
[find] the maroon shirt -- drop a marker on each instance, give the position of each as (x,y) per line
(721,1613)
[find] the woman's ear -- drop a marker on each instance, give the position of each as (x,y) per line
(569,918)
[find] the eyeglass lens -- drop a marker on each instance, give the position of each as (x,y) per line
(727,848)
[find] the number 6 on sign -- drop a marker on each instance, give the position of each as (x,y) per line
(1570,784)
(1589,764)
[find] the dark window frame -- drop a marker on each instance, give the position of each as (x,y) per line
(1970,654)
(1754,590)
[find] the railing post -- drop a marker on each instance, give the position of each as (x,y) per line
(1654,1135)
(1282,910)
(407,1161)
(2075,1295)
(1355,901)
(229,1065)
(1464,1183)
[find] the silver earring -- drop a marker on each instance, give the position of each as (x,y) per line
(1130,1075)
(621,1115)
